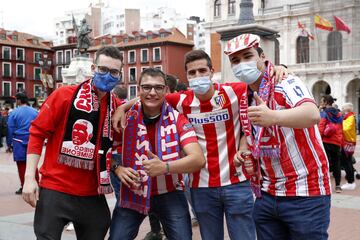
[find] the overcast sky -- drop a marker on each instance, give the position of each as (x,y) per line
(37,16)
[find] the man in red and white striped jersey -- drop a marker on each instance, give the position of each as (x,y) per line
(280,130)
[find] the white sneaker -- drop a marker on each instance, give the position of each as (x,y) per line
(70,227)
(348,186)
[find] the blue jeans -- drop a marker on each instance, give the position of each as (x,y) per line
(170,208)
(295,218)
(235,201)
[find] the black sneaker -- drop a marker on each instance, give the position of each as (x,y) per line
(19,192)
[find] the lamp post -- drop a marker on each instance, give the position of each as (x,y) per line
(45,63)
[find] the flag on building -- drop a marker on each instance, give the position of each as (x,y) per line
(322,23)
(304,32)
(341,25)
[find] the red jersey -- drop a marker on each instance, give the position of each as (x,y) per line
(217,126)
(171,182)
(50,124)
(302,169)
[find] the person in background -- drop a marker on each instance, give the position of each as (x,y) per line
(331,130)
(347,151)
(18,126)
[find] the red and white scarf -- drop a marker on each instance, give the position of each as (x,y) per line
(87,140)
(135,146)
(266,141)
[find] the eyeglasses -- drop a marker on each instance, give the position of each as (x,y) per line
(158,88)
(105,70)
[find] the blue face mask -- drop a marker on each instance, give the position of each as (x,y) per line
(247,72)
(200,85)
(105,82)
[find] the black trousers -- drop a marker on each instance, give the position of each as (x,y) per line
(347,164)
(333,154)
(90,215)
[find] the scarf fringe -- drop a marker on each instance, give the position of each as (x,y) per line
(105,189)
(135,206)
(76,163)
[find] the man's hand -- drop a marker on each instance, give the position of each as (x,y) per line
(280,73)
(30,192)
(261,115)
(118,119)
(154,166)
(127,176)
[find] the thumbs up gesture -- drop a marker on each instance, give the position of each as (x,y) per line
(154,166)
(260,114)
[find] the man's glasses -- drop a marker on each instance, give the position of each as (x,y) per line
(105,70)
(158,88)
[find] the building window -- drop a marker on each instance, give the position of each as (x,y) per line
(37,57)
(156,54)
(37,73)
(132,74)
(20,54)
(67,56)
(75,52)
(37,90)
(6,89)
(113,40)
(6,53)
(125,40)
(132,91)
(6,69)
(59,57)
(158,67)
(217,8)
(20,87)
(131,56)
(231,7)
(334,46)
(143,68)
(58,73)
(149,37)
(144,55)
(302,50)
(3,36)
(20,73)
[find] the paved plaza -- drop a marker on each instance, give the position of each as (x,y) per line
(16,217)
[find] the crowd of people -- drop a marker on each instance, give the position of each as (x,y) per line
(213,146)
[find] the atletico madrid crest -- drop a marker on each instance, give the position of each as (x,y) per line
(220,100)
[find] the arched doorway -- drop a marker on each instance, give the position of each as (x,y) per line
(353,94)
(320,89)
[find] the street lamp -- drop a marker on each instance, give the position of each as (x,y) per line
(45,63)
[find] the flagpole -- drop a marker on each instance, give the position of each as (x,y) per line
(318,44)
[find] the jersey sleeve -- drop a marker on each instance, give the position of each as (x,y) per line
(173,99)
(294,91)
(186,131)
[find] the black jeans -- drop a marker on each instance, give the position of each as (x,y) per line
(90,215)
(333,154)
(346,163)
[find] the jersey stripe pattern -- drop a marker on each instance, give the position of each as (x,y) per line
(302,169)
(217,127)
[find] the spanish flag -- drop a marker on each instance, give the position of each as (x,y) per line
(322,23)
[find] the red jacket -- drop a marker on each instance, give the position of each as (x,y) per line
(50,124)
(331,115)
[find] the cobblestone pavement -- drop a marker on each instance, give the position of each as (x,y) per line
(16,217)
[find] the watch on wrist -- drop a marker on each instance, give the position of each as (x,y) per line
(114,167)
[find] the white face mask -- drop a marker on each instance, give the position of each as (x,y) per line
(247,72)
(200,85)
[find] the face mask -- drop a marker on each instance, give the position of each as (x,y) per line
(247,72)
(105,82)
(200,85)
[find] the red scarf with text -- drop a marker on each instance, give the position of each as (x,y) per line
(135,146)
(266,140)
